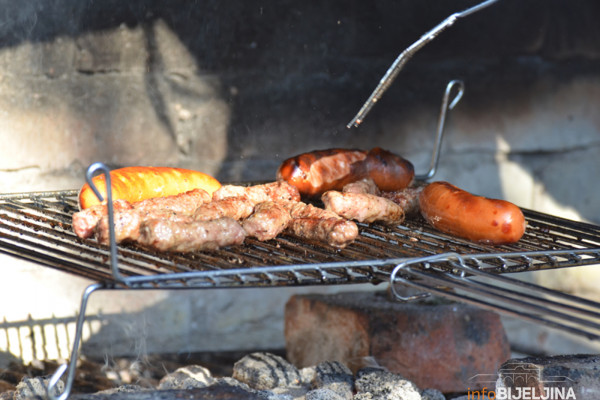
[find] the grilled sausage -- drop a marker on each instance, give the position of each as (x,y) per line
(316,172)
(476,218)
(139,183)
(388,170)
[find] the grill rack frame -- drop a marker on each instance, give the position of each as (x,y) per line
(33,223)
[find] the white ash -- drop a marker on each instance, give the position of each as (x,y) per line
(382,385)
(323,394)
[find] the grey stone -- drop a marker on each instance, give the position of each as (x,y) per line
(432,394)
(34,388)
(385,385)
(576,375)
(324,394)
(336,377)
(123,389)
(266,371)
(188,377)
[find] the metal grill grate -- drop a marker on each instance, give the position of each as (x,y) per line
(37,227)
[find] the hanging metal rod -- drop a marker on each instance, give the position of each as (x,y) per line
(406,55)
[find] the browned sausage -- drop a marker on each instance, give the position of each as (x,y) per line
(476,218)
(388,170)
(318,171)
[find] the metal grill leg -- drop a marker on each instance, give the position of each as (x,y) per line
(72,364)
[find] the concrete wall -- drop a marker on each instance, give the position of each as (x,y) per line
(233,88)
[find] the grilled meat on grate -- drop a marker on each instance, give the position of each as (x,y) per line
(273,191)
(188,236)
(268,220)
(127,223)
(407,198)
(85,221)
(363,207)
(366,185)
(336,232)
(186,202)
(238,207)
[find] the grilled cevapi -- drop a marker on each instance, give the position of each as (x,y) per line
(167,235)
(273,191)
(362,201)
(363,207)
(314,223)
(238,207)
(268,220)
(88,221)
(316,172)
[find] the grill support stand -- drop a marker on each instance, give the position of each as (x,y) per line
(72,364)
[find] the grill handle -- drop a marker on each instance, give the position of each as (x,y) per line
(446,105)
(90,173)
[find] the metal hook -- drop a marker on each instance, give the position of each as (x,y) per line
(91,171)
(406,55)
(406,265)
(446,105)
(394,277)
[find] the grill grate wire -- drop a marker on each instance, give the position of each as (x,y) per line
(37,226)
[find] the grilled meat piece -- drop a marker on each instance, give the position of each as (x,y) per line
(274,191)
(310,222)
(85,221)
(366,185)
(363,207)
(238,208)
(407,198)
(305,210)
(336,232)
(269,219)
(166,235)
(128,222)
(186,202)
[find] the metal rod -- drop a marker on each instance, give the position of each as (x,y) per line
(72,364)
(446,105)
(525,302)
(406,55)
(92,169)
